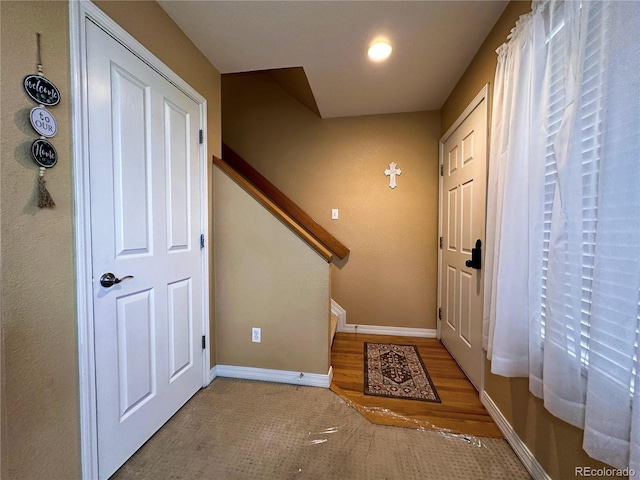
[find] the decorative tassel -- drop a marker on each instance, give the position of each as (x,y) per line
(44,198)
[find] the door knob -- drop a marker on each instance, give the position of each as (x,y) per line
(109,279)
(476,256)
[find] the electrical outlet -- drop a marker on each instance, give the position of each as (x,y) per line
(334,214)
(256,335)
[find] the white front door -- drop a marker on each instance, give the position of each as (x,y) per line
(464,168)
(145,230)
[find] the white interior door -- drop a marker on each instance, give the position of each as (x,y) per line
(145,223)
(463,193)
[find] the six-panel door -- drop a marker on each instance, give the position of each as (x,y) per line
(463,217)
(145,221)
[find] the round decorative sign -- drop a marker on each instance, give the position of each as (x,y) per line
(43,122)
(44,153)
(41,90)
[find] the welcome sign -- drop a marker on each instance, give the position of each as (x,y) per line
(44,154)
(41,90)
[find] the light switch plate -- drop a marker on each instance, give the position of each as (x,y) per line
(334,214)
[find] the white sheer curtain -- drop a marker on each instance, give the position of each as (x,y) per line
(562,280)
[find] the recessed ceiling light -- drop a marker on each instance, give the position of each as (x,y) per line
(379,51)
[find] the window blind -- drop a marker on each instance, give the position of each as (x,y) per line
(589,122)
(568,104)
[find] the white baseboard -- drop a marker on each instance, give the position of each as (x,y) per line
(277,376)
(397,331)
(213,374)
(521,450)
(343,326)
(339,312)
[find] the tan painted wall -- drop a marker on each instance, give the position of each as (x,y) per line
(555,444)
(40,411)
(483,66)
(266,277)
(391,273)
(40,404)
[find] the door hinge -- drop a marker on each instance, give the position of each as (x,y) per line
(201,241)
(200,137)
(441,167)
(204,342)
(441,242)
(439,315)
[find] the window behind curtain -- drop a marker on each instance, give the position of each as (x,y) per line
(590,112)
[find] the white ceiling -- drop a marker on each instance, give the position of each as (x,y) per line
(433,43)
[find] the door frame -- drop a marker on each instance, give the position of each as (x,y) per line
(79,13)
(483,94)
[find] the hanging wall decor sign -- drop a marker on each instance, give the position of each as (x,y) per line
(43,153)
(41,90)
(43,122)
(45,93)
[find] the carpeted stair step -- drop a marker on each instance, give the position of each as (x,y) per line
(334,326)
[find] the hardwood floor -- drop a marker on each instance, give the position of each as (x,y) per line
(460,410)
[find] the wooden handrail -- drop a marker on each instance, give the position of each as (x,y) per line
(273,208)
(285,203)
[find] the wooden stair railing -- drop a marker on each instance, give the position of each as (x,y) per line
(232,161)
(274,209)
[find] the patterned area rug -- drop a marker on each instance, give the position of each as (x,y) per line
(397,371)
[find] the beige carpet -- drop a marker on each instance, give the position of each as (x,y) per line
(241,429)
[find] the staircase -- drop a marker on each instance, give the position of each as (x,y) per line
(283,208)
(297,219)
(334,326)
(338,316)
